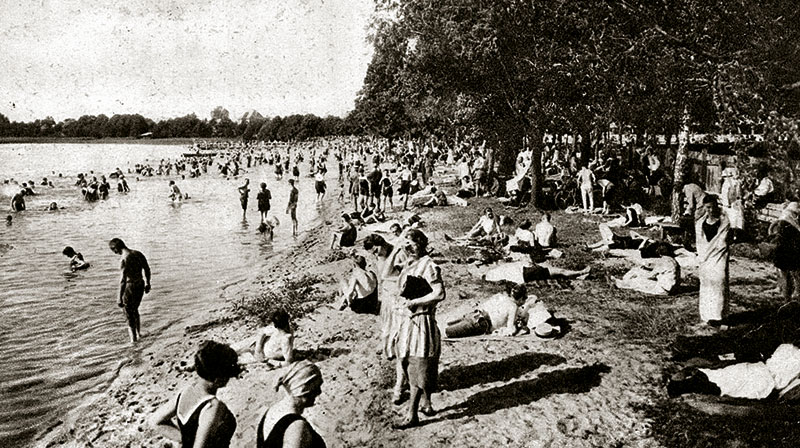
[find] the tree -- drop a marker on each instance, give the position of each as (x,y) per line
(527,67)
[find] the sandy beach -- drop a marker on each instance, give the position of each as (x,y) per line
(601,384)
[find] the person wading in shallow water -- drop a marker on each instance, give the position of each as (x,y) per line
(132,287)
(291,209)
(244,192)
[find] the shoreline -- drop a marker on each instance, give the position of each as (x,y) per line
(171,357)
(598,385)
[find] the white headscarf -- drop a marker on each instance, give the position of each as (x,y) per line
(300,378)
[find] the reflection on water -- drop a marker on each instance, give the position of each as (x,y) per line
(61,333)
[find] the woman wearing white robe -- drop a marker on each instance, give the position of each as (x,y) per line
(712,231)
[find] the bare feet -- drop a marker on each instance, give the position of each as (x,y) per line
(405,424)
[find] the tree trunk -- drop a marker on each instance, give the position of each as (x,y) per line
(535,170)
(489,168)
(681,161)
(586,147)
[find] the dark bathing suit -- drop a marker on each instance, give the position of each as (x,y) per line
(366,305)
(348,238)
(132,298)
(18,203)
(263,200)
(189,429)
(275,436)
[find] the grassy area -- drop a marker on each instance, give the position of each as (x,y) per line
(297,296)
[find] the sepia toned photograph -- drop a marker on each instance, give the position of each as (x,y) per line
(399,223)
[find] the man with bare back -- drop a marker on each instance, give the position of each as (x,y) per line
(132,287)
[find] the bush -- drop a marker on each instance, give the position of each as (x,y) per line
(297,296)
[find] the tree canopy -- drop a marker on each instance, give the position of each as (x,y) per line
(514,68)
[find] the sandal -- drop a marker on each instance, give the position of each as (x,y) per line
(406,424)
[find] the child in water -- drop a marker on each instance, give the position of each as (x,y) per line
(76,261)
(175,192)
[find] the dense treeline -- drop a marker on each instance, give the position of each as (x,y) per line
(252,125)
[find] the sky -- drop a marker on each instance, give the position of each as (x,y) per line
(168,58)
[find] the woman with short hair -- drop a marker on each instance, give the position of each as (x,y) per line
(201,420)
(418,343)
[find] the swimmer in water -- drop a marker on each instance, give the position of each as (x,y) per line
(175,192)
(9,220)
(76,261)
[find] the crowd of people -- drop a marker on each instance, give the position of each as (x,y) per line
(403,285)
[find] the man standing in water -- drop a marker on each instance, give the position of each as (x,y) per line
(18,202)
(131,286)
(291,209)
(244,192)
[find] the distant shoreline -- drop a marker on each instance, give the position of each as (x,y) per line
(129,140)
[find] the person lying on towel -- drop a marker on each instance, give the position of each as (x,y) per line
(497,314)
(778,377)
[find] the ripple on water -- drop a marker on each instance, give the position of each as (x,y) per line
(61,333)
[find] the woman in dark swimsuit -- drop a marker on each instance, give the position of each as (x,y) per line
(201,419)
(282,424)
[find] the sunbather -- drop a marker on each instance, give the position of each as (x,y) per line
(498,314)
(522,272)
(486,226)
(610,240)
(360,293)
(778,377)
(657,276)
(272,344)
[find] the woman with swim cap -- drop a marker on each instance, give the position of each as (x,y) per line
(282,424)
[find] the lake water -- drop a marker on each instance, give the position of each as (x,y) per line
(61,333)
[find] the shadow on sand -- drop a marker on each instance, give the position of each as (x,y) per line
(319,354)
(462,377)
(573,380)
(753,337)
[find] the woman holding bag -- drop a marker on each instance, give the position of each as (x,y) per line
(418,339)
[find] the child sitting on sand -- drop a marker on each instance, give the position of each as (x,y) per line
(272,344)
